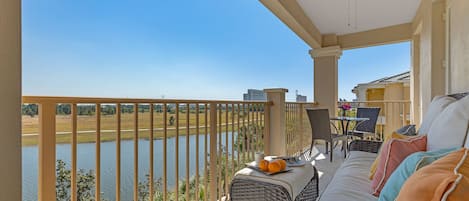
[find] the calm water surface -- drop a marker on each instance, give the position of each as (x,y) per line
(86,160)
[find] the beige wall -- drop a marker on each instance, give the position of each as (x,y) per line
(442,29)
(406,91)
(441,49)
(458,47)
(10,101)
(429,24)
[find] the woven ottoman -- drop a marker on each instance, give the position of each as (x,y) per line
(299,184)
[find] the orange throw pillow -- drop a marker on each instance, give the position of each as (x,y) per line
(392,154)
(445,179)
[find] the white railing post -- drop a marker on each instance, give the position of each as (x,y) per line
(213,152)
(277,141)
(46,180)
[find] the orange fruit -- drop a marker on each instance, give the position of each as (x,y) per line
(264,165)
(283,164)
(275,166)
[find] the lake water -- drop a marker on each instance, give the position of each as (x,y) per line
(86,160)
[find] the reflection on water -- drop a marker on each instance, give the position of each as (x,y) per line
(86,160)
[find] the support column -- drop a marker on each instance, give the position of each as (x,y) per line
(393,111)
(10,101)
(325,77)
(432,52)
(438,48)
(277,142)
(415,99)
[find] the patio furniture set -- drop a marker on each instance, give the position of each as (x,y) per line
(445,126)
(302,182)
(443,134)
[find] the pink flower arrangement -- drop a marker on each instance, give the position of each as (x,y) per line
(345,107)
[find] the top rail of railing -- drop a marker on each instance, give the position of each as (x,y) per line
(92,100)
(302,103)
(379,101)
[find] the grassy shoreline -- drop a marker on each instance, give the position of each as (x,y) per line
(111,136)
(87,126)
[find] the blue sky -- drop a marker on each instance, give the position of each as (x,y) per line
(207,49)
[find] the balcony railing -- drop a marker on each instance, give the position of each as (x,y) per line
(298,127)
(232,131)
(227,135)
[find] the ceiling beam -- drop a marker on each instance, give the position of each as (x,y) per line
(291,14)
(381,36)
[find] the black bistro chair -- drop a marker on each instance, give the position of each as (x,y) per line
(321,130)
(366,129)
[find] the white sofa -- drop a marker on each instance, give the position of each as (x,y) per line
(446,125)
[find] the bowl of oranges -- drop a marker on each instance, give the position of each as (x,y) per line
(271,167)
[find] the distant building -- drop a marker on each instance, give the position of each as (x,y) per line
(254,95)
(300,98)
(395,87)
(392,88)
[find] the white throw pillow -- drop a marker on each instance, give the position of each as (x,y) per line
(449,129)
(438,104)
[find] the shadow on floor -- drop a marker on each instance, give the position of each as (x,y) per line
(320,160)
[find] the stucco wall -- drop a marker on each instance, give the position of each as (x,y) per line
(458,18)
(441,34)
(10,100)
(425,55)
(429,26)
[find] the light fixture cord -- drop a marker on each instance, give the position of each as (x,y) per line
(348,13)
(356,14)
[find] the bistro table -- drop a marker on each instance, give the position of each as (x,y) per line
(345,121)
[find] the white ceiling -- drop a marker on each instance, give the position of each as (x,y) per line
(334,16)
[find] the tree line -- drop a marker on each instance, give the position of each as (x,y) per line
(66,109)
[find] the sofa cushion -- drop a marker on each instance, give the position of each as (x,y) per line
(450,127)
(350,181)
(391,155)
(438,104)
(445,179)
(411,164)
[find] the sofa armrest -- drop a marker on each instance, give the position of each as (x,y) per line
(365,145)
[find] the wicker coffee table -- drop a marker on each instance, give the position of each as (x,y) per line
(257,189)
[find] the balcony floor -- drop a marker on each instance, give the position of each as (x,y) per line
(326,169)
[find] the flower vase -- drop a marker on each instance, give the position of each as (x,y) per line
(344,113)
